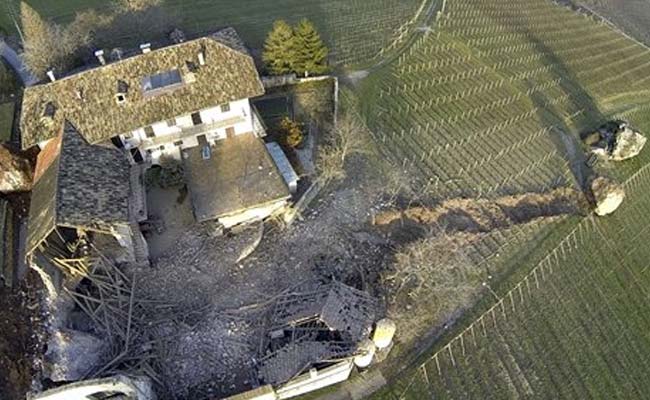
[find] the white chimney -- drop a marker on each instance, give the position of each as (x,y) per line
(50,74)
(145,47)
(100,56)
(201,58)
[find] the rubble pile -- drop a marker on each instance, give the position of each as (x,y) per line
(15,172)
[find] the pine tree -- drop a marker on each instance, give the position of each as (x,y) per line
(38,34)
(279,50)
(311,52)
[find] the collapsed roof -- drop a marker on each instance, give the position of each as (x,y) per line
(78,185)
(117,98)
(306,328)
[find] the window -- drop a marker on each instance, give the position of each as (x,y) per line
(178,143)
(120,98)
(148,130)
(225,107)
(49,110)
(163,80)
(171,122)
(196,118)
(191,66)
(230,132)
(162,148)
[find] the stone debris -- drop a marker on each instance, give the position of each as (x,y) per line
(213,356)
(616,141)
(15,172)
(608,195)
(72,354)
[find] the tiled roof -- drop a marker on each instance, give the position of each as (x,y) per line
(84,186)
(87,99)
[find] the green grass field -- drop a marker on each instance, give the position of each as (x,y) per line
(356,30)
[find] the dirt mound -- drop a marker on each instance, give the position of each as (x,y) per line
(483,215)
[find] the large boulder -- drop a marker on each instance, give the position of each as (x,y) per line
(15,172)
(615,141)
(628,144)
(608,195)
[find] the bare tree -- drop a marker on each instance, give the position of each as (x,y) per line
(350,137)
(38,33)
(137,5)
(436,264)
(48,45)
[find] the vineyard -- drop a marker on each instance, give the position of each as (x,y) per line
(576,326)
(356,30)
(477,106)
(491,101)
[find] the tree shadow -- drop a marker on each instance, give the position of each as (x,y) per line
(564,136)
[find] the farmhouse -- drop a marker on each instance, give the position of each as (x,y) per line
(98,127)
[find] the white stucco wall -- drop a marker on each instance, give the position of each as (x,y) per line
(214,125)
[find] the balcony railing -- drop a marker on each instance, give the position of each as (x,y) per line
(192,131)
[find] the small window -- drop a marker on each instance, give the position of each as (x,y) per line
(196,118)
(178,143)
(171,122)
(225,107)
(163,80)
(120,98)
(148,130)
(49,110)
(122,87)
(162,148)
(191,66)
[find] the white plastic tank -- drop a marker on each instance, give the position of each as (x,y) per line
(367,351)
(384,333)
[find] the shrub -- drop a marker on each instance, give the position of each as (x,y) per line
(169,174)
(292,134)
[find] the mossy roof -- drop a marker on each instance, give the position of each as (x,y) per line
(87,99)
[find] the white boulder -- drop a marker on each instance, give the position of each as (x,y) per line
(608,195)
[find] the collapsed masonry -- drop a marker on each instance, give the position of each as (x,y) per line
(303,339)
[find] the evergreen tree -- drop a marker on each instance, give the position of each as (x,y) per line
(279,50)
(311,52)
